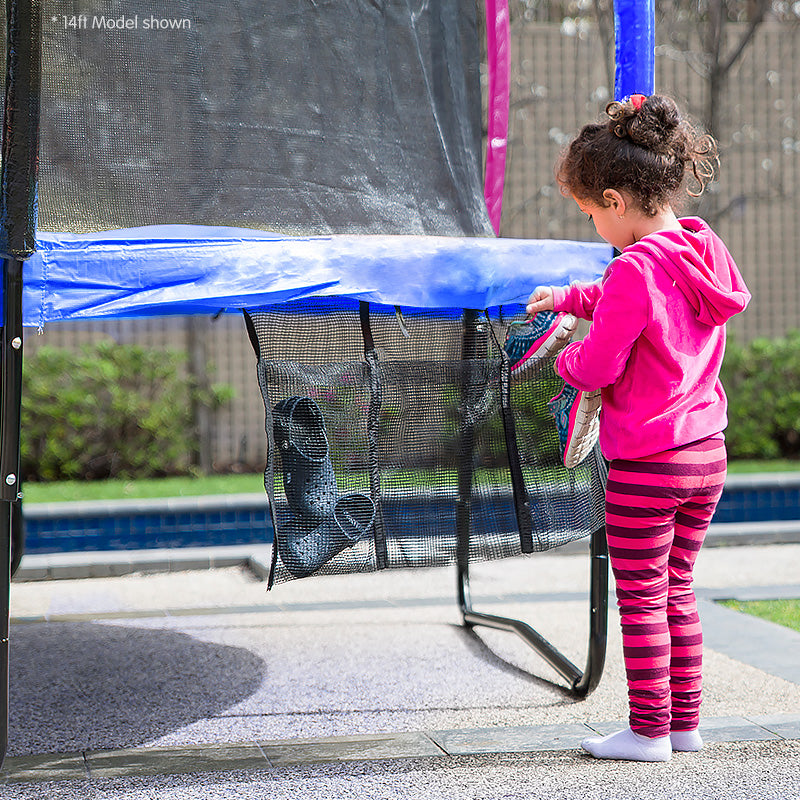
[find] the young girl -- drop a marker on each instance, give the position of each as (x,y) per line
(654,351)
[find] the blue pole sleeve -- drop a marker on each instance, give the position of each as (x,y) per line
(634,36)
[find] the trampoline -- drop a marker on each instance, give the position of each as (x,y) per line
(319,170)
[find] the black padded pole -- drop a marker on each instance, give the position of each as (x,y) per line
(20,149)
(466,449)
(373,421)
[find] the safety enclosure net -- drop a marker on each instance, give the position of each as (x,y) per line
(301,117)
(394,436)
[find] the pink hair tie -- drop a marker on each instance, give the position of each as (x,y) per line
(637,100)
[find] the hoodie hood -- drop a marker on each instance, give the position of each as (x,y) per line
(701,267)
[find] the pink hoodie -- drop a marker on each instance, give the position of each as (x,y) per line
(657,339)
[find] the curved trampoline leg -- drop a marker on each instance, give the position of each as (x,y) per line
(580,682)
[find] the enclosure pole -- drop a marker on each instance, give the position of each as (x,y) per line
(20,159)
(634,32)
(466,448)
(10,402)
(498,64)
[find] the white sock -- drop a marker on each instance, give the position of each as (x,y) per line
(686,741)
(628,745)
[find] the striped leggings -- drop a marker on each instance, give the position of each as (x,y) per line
(657,512)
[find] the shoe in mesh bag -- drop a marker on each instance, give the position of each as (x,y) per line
(538,338)
(308,478)
(577,417)
(304,551)
(321,524)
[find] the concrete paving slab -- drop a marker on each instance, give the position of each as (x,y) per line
(350,748)
(730,771)
(734,729)
(97,564)
(748,593)
(174,761)
(46,767)
(715,729)
(260,755)
(765,645)
(510,739)
(604,727)
(785,725)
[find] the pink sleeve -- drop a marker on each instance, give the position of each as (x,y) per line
(620,316)
(578,299)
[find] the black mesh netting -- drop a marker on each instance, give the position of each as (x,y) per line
(358,116)
(379,459)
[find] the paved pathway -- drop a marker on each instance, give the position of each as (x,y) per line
(199,684)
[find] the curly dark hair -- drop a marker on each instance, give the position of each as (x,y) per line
(645,150)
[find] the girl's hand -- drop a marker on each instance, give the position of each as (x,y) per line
(540,300)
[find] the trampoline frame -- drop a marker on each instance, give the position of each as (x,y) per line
(634,73)
(581,683)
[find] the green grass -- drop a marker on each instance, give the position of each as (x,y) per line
(135,490)
(243,484)
(220,484)
(783,612)
(778,465)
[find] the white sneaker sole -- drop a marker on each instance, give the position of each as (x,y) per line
(585,429)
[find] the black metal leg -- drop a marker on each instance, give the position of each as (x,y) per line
(5,569)
(581,683)
(10,410)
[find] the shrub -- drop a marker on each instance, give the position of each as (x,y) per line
(108,411)
(762,381)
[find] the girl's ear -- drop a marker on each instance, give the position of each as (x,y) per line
(615,201)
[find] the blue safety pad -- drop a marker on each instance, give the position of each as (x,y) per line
(188,269)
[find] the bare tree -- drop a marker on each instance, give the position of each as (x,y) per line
(724,28)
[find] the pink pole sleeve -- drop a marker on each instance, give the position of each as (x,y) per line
(498,46)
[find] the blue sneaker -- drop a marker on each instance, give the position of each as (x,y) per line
(577,416)
(543,336)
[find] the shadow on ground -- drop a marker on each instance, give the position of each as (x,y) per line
(78,686)
(483,650)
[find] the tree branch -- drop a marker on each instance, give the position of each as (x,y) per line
(761,7)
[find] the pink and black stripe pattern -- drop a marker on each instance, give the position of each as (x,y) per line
(657,512)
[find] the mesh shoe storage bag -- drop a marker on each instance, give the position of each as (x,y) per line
(396,439)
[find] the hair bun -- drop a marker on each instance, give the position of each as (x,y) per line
(646,148)
(651,126)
